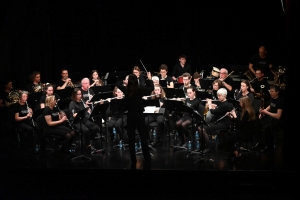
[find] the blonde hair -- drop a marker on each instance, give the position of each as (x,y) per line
(49,99)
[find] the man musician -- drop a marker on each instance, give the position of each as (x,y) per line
(226,82)
(181,68)
(163,70)
(259,84)
(65,81)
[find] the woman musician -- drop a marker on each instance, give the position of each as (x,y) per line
(220,119)
(117,119)
(49,90)
(244,91)
(89,129)
(35,83)
(23,117)
(95,79)
(56,124)
(157,93)
(186,119)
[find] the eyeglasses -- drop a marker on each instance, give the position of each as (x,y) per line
(78,94)
(223,73)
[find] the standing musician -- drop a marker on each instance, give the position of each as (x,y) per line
(135,116)
(216,84)
(261,83)
(89,129)
(159,94)
(226,82)
(220,119)
(56,124)
(272,119)
(181,68)
(186,77)
(117,118)
(65,81)
(141,79)
(35,83)
(23,117)
(95,79)
(244,127)
(163,70)
(48,92)
(186,119)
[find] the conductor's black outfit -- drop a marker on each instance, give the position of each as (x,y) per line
(136,118)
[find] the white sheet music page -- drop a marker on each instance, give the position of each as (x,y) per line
(149,109)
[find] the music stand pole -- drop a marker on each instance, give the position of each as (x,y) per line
(80,115)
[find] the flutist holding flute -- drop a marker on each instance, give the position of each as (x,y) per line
(89,128)
(23,118)
(220,119)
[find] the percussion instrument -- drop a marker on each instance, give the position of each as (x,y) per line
(215,72)
(180,79)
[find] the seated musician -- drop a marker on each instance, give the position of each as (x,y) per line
(272,119)
(95,79)
(89,129)
(180,68)
(163,70)
(219,120)
(87,93)
(245,91)
(226,82)
(4,99)
(35,83)
(186,77)
(260,83)
(216,84)
(159,94)
(141,78)
(23,118)
(186,119)
(117,118)
(196,82)
(48,92)
(65,81)
(244,127)
(56,124)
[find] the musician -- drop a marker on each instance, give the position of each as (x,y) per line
(244,126)
(216,85)
(181,68)
(89,129)
(155,80)
(35,83)
(65,81)
(196,82)
(95,79)
(141,78)
(245,91)
(159,94)
(48,92)
(56,124)
(257,85)
(23,117)
(272,118)
(135,117)
(186,119)
(226,82)
(186,77)
(117,118)
(87,93)
(163,70)
(4,93)
(220,119)
(261,60)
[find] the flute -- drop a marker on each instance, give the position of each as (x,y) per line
(108,99)
(211,100)
(145,97)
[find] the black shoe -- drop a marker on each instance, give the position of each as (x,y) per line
(185,145)
(266,149)
(180,143)
(207,150)
(258,145)
(155,143)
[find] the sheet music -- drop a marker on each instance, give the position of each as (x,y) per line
(151,109)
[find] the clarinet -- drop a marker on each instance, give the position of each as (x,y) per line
(63,113)
(29,112)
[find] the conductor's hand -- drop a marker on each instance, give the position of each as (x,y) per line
(144,97)
(149,76)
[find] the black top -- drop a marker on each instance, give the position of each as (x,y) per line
(220,111)
(3,96)
(229,81)
(178,70)
(243,125)
(75,107)
(54,115)
(276,104)
(260,63)
(61,83)
(30,86)
(250,95)
(168,79)
(134,103)
(257,87)
(23,111)
(192,104)
(43,98)
(142,80)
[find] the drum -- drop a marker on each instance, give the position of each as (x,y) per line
(180,79)
(215,72)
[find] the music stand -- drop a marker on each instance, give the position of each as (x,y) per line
(101,89)
(169,92)
(179,93)
(64,103)
(79,117)
(34,98)
(163,83)
(65,93)
(115,76)
(119,105)
(203,95)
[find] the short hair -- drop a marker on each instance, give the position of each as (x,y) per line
(136,68)
(64,69)
(222,91)
(182,56)
(85,79)
(23,92)
(186,74)
(49,99)
(163,67)
(224,70)
(261,70)
(217,81)
(32,76)
(155,78)
(275,87)
(196,75)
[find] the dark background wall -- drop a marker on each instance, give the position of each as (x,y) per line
(79,35)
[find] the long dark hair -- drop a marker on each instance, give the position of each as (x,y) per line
(133,84)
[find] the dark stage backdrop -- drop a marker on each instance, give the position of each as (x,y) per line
(79,35)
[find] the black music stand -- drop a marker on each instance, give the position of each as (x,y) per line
(115,76)
(65,93)
(169,92)
(119,105)
(64,103)
(79,117)
(101,89)
(203,95)
(179,93)
(34,98)
(163,83)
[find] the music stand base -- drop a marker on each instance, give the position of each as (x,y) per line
(205,160)
(140,152)
(81,158)
(179,147)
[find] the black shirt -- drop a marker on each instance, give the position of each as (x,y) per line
(168,79)
(54,114)
(60,83)
(260,63)
(276,104)
(3,96)
(221,110)
(265,90)
(178,70)
(192,104)
(23,111)
(75,107)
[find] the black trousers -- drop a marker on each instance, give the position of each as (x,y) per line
(118,123)
(89,130)
(135,119)
(160,119)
